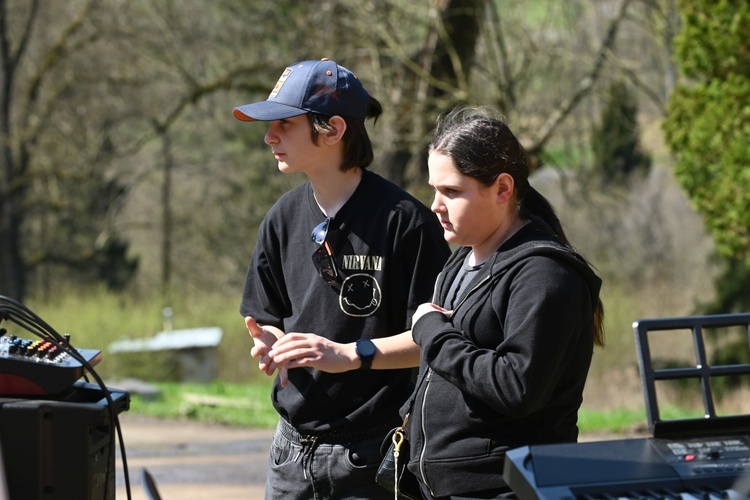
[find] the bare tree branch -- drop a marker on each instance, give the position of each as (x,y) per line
(584,87)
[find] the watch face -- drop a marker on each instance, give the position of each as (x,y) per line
(365,348)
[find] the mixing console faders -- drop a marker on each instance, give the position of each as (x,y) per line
(38,367)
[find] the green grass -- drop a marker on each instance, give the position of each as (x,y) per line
(621,421)
(614,421)
(249,405)
(243,405)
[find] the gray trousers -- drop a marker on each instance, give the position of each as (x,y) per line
(340,466)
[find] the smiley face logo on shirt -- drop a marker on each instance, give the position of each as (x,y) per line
(360,295)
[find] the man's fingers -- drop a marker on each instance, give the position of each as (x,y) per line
(283,376)
(253,327)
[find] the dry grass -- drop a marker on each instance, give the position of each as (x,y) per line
(655,259)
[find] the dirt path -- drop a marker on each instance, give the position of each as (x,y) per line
(191,461)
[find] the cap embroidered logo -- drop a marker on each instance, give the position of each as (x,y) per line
(280,83)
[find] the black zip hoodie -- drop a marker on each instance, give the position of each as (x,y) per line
(508,367)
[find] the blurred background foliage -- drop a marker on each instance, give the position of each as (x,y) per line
(126,185)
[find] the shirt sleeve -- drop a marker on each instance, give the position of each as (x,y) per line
(264,295)
(421,255)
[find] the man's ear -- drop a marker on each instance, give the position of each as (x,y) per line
(338,127)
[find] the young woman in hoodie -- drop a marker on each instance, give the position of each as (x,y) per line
(507,343)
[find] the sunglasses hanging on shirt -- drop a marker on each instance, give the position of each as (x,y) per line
(323,257)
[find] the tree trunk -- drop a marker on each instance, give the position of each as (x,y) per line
(166,236)
(446,57)
(12,271)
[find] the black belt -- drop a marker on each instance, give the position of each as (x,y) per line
(334,436)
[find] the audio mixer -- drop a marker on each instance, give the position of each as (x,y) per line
(38,367)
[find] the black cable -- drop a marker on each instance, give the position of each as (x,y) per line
(12,310)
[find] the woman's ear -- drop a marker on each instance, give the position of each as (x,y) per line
(504,185)
(338,127)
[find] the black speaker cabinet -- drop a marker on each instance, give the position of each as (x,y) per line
(61,449)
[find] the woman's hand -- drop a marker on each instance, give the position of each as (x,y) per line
(426,308)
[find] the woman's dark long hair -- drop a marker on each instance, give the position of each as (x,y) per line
(482,146)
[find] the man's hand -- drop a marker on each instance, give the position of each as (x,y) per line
(264,338)
(294,350)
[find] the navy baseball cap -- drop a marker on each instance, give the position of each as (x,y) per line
(321,87)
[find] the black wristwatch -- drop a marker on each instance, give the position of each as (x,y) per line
(365,349)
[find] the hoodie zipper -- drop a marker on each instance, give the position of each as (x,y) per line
(424,433)
(427,388)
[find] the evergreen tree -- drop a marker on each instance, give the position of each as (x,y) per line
(616,143)
(708,123)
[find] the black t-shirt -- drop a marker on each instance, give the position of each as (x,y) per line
(389,249)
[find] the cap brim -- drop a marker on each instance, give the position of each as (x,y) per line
(266,111)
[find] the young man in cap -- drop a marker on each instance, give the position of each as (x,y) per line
(341,263)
